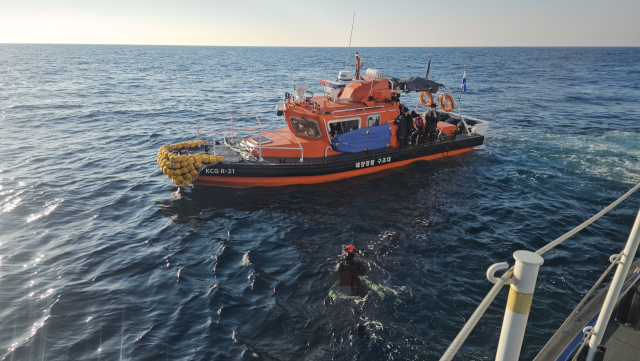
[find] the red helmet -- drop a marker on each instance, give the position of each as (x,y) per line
(349,251)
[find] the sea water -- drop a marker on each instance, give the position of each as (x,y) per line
(101,257)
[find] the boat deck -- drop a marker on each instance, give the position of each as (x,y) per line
(622,342)
(231,156)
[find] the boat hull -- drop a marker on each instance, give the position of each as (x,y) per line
(321,170)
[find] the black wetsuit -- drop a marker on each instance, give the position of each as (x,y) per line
(409,126)
(431,126)
(404,130)
(350,272)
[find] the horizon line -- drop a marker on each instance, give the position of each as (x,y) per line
(294,46)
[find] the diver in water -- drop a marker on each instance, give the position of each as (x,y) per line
(353,282)
(350,270)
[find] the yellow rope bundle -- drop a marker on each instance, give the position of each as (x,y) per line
(183,168)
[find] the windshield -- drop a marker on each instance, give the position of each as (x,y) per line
(304,126)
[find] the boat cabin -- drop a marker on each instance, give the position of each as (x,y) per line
(348,104)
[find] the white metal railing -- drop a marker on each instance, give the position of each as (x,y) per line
(232,116)
(246,146)
(519,302)
(457,106)
(614,289)
(249,148)
(479,128)
(354,109)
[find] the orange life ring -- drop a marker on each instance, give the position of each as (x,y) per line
(423,101)
(446,102)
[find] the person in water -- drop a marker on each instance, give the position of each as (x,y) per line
(350,271)
(353,281)
(431,123)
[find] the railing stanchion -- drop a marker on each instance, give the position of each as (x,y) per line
(522,278)
(260,146)
(459,112)
(614,289)
(525,273)
(232,139)
(477,314)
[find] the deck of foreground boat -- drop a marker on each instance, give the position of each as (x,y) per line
(621,341)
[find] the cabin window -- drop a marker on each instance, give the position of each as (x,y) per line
(337,127)
(304,126)
(373,120)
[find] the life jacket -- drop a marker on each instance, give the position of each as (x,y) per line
(419,123)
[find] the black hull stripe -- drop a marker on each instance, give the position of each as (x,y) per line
(358,161)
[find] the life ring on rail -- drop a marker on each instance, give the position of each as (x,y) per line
(446,102)
(423,101)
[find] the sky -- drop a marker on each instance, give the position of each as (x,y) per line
(422,23)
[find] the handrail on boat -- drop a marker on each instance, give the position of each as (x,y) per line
(326,149)
(228,116)
(260,127)
(468,117)
(457,106)
(286,132)
(626,257)
(250,149)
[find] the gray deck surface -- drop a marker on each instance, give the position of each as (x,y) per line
(622,343)
(617,337)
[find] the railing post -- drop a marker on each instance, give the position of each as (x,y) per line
(232,139)
(516,314)
(614,289)
(260,146)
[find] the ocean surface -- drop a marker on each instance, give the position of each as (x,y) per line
(103,258)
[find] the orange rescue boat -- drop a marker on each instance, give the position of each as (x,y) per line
(350,130)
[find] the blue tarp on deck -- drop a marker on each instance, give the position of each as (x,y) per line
(358,140)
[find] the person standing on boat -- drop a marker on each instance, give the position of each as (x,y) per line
(431,120)
(418,133)
(404,124)
(409,125)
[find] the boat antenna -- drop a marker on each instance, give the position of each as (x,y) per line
(375,65)
(326,63)
(426,76)
(349,51)
(325,78)
(428,67)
